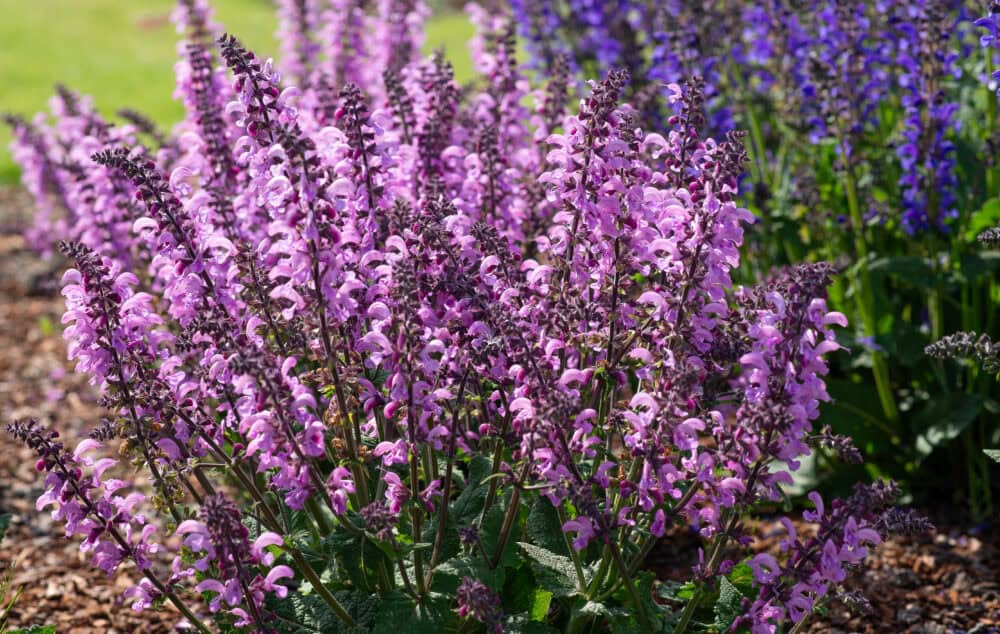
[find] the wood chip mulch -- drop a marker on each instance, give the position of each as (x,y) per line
(59,586)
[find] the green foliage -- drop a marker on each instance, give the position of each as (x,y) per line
(544,527)
(398,613)
(945,419)
(356,556)
(987,216)
(35,629)
(626,620)
(519,624)
(469,504)
(449,574)
(492,527)
(913,270)
(728,606)
(554,573)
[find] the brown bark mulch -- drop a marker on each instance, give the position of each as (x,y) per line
(59,586)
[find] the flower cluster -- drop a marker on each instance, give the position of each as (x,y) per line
(825,67)
(815,564)
(967,345)
(219,538)
(401,315)
(927,58)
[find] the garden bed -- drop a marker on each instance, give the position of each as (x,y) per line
(945,583)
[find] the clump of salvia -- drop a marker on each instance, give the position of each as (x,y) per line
(401,347)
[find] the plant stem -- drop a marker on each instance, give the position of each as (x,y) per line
(677,508)
(581,581)
(991,122)
(640,608)
(304,567)
(446,488)
(180,605)
(865,298)
(508,523)
(801,625)
(317,514)
(324,593)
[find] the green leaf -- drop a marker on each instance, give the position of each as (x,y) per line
(521,624)
(362,606)
(309,614)
(855,412)
(976,265)
(36,629)
(988,216)
(452,544)
(540,605)
(351,554)
(674,591)
(644,582)
(553,572)
(469,504)
(5,519)
(595,608)
(544,527)
(518,590)
(742,578)
(620,619)
(994,454)
(448,575)
(911,269)
(945,419)
(490,533)
(397,613)
(729,605)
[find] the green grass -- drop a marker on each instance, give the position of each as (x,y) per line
(122,53)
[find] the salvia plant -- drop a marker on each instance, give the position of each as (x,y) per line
(872,138)
(398,354)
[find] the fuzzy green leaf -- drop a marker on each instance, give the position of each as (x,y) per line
(469,504)
(553,572)
(398,613)
(448,575)
(544,527)
(521,624)
(729,604)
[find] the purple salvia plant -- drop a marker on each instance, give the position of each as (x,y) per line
(298,21)
(402,316)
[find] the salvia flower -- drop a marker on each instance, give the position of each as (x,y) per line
(967,345)
(239,572)
(390,309)
(478,603)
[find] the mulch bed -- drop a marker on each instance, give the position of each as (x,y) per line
(59,586)
(944,584)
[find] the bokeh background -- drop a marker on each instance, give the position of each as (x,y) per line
(122,52)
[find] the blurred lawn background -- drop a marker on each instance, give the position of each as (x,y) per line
(122,52)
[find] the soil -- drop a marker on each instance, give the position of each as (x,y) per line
(59,587)
(943,584)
